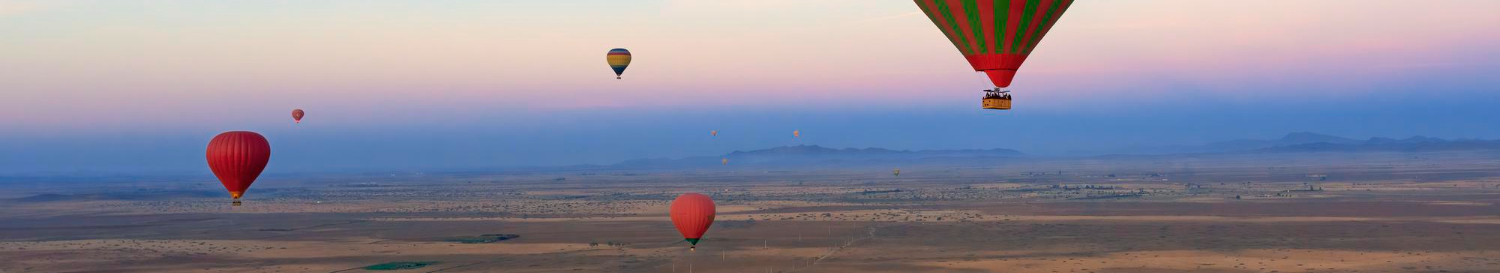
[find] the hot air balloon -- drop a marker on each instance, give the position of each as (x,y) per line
(297,115)
(237,158)
(725,161)
(618,58)
(796,134)
(692,213)
(896,172)
(995,36)
(714,132)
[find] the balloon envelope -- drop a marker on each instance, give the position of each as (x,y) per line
(297,115)
(692,213)
(618,59)
(995,36)
(237,158)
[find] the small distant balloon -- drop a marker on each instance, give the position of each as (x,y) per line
(796,134)
(714,132)
(618,59)
(237,158)
(297,115)
(725,161)
(897,172)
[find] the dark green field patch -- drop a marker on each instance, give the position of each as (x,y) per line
(482,239)
(399,265)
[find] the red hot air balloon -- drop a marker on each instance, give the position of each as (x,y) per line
(237,158)
(692,213)
(297,115)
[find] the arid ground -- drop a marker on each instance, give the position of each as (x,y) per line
(1307,212)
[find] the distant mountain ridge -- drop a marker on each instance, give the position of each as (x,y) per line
(818,155)
(1380,144)
(814,155)
(1297,138)
(1315,142)
(815,150)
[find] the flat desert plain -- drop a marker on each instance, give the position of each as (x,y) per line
(1375,212)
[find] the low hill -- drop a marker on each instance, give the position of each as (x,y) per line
(1413,144)
(809,155)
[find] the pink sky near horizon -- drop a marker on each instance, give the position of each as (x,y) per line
(66,65)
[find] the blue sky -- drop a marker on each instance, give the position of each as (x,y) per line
(106,86)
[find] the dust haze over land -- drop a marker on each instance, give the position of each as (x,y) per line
(1302,203)
(484,141)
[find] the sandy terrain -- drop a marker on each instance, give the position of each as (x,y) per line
(1371,214)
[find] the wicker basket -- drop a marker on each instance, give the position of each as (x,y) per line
(1001,104)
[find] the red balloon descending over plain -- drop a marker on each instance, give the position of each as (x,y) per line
(692,213)
(237,158)
(297,115)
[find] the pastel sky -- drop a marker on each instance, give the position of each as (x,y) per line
(130,85)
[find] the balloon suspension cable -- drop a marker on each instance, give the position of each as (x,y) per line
(997,93)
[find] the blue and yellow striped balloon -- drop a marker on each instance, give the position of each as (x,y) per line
(618,58)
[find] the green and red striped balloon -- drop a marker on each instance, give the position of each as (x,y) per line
(995,36)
